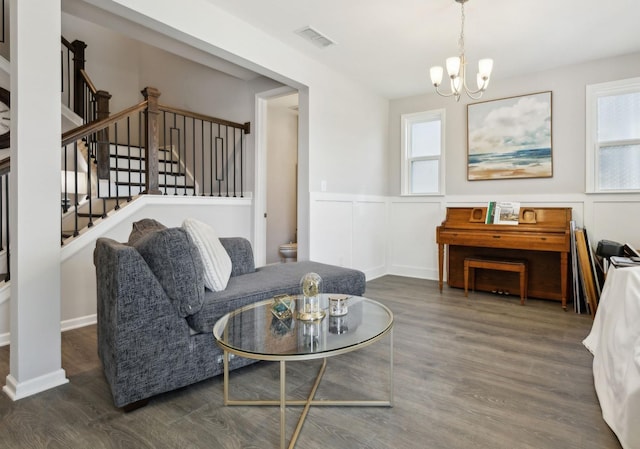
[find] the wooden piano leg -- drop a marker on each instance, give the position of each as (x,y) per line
(563,278)
(440,265)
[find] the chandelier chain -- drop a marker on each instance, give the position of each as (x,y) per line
(461,40)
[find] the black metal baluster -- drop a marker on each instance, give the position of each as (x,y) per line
(117,175)
(241,163)
(235,159)
(129,156)
(76,229)
(193,150)
(226,158)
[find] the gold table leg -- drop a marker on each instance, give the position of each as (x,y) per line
(282,401)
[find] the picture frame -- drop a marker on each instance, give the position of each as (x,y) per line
(510,138)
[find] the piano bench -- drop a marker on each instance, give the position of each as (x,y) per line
(513,265)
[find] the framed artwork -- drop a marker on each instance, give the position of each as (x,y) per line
(510,138)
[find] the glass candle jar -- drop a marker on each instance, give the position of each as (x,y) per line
(338,305)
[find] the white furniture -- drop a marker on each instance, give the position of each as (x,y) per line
(614,342)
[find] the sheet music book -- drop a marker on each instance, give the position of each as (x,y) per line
(622,261)
(506,213)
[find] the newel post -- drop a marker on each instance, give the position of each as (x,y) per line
(102,156)
(152,140)
(78,86)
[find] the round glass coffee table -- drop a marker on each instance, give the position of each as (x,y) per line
(254,332)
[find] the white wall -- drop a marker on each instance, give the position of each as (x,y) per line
(600,214)
(343,130)
(568,86)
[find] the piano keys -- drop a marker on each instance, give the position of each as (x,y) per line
(542,237)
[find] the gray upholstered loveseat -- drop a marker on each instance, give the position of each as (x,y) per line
(149,342)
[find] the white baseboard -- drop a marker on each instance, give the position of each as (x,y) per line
(66,325)
(75,323)
(374,273)
(413,272)
(18,390)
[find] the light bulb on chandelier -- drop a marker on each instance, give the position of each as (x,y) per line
(456,70)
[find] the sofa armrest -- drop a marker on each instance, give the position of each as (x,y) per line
(241,254)
(139,331)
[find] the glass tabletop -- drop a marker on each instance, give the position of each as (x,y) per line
(254,332)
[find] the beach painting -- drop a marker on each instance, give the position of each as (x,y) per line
(510,138)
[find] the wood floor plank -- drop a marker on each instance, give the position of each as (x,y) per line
(476,372)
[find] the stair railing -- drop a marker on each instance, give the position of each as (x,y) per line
(207,151)
(78,91)
(148,148)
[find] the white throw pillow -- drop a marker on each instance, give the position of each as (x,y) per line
(216,261)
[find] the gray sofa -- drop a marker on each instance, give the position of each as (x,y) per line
(154,330)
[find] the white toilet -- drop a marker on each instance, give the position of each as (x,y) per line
(288,252)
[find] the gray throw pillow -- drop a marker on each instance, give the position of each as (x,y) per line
(142,228)
(175,261)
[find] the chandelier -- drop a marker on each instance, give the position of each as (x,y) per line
(456,70)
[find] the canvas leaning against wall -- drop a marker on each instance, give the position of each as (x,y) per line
(510,138)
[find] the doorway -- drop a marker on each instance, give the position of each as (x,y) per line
(282,174)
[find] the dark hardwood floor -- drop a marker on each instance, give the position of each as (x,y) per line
(477,372)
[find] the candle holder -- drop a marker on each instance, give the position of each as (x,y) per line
(338,305)
(309,303)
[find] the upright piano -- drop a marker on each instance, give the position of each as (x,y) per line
(542,237)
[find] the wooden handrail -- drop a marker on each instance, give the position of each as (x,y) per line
(89,128)
(244,126)
(66,43)
(5,166)
(88,81)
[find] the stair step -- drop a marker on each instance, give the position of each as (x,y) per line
(120,163)
(131,150)
(133,179)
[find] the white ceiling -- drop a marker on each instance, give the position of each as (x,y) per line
(389,45)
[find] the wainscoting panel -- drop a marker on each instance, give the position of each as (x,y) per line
(350,231)
(369,237)
(332,232)
(412,237)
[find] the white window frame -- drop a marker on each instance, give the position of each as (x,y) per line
(595,91)
(406,120)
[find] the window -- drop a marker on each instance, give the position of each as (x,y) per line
(422,166)
(613,137)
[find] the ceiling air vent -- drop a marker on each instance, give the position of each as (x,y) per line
(315,37)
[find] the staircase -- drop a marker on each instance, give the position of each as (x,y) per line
(127,180)
(128,172)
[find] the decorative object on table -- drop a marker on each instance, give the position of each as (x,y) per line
(281,327)
(456,69)
(510,138)
(309,304)
(338,324)
(338,305)
(282,307)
